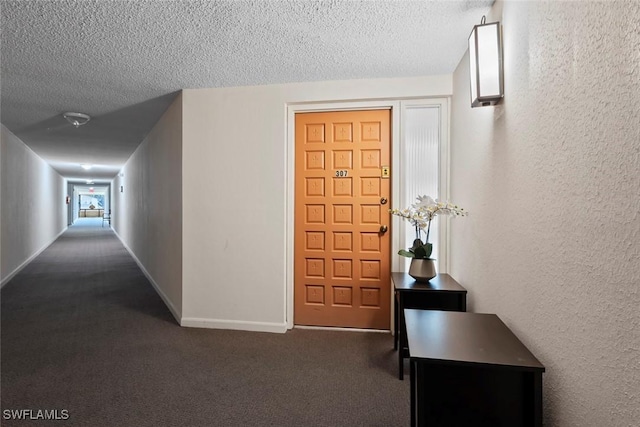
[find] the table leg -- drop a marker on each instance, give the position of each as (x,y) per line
(401,337)
(533,398)
(395,321)
(412,388)
(538,399)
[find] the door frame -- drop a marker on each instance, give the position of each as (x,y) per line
(396,107)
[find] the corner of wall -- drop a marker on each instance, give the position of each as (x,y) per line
(148,206)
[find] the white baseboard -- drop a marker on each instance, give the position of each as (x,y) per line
(337,328)
(237,325)
(177,314)
(31,258)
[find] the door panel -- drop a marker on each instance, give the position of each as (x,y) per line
(341,275)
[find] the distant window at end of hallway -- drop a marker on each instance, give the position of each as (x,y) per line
(92,201)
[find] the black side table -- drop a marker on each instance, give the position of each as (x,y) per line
(469,369)
(440,293)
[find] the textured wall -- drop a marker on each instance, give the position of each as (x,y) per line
(552,180)
(147,214)
(33,210)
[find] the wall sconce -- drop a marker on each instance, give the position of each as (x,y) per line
(485,64)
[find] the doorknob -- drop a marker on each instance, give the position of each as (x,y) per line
(383,201)
(383,229)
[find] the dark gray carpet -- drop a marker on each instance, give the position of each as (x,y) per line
(83,330)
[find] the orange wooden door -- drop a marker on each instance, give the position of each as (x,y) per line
(342,270)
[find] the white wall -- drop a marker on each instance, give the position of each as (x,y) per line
(235,194)
(147,214)
(33,209)
(551,178)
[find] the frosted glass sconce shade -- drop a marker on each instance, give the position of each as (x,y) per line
(485,64)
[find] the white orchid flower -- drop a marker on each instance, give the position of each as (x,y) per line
(424,202)
(420,215)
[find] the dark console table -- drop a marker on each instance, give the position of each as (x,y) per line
(440,293)
(469,369)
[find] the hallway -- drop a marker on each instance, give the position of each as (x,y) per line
(84,331)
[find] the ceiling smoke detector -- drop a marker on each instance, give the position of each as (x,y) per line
(76,119)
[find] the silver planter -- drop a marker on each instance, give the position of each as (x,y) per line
(422,269)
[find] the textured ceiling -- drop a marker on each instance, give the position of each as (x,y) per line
(122,62)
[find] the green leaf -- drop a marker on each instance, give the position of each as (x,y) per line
(423,251)
(416,244)
(428,248)
(420,252)
(406,253)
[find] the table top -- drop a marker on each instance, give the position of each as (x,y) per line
(465,338)
(440,283)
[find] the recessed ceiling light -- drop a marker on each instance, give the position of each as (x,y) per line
(86,166)
(76,119)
